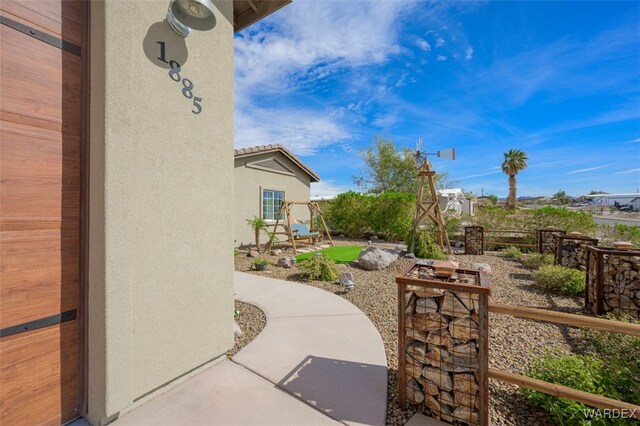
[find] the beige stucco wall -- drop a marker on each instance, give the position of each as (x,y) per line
(249,183)
(160,272)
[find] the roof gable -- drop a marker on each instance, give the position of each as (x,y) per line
(263,149)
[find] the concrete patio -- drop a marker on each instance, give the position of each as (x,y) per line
(319,360)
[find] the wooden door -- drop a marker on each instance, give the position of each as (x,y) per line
(41,137)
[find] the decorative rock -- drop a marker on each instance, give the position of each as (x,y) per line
(414,394)
(465,390)
(430,388)
(425,305)
(463,329)
(417,335)
(276,252)
(410,256)
(430,321)
(417,350)
(346,279)
(427,292)
(253,253)
(441,338)
(466,415)
(237,332)
(284,262)
(373,258)
(453,307)
(442,378)
(465,350)
(434,358)
(446,398)
(482,267)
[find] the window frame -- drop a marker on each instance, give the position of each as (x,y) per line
(264,189)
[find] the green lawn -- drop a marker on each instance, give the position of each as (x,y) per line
(341,254)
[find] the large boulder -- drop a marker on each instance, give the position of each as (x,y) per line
(373,258)
(284,262)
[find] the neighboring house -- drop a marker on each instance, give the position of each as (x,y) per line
(635,204)
(610,199)
(455,202)
(116,224)
(264,177)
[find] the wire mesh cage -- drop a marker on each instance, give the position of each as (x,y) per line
(547,241)
(613,281)
(473,240)
(443,342)
(571,250)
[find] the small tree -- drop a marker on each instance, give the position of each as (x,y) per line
(258,224)
(561,197)
(515,160)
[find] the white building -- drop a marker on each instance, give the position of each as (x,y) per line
(611,199)
(453,201)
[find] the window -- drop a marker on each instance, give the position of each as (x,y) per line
(271,201)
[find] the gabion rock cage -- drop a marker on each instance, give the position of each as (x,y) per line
(572,250)
(473,240)
(613,281)
(547,241)
(443,343)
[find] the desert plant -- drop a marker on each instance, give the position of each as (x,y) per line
(426,245)
(258,225)
(534,219)
(512,253)
(578,372)
(537,260)
(515,160)
(260,264)
(391,213)
(559,279)
(320,267)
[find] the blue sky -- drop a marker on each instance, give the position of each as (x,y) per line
(559,80)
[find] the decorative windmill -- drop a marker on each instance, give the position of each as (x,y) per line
(427,206)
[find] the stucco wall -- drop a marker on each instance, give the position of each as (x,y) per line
(249,183)
(160,279)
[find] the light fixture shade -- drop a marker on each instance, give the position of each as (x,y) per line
(185,15)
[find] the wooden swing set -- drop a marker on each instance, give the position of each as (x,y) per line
(300,231)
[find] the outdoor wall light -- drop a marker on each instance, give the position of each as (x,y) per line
(186,15)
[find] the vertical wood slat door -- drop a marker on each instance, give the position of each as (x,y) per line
(40,176)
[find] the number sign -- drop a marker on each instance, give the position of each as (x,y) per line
(174,74)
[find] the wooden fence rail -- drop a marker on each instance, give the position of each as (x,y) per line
(566,319)
(592,400)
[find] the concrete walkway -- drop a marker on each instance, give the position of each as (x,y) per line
(319,360)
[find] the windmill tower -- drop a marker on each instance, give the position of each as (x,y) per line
(427,206)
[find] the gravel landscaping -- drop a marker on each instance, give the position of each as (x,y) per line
(513,341)
(251,321)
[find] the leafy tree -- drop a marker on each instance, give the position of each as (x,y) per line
(392,169)
(515,160)
(561,197)
(388,169)
(258,224)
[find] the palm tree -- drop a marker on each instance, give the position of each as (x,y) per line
(257,224)
(515,160)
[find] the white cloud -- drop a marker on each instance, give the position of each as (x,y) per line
(468,54)
(300,43)
(423,44)
(628,171)
(439,41)
(441,58)
(326,189)
(302,131)
(587,169)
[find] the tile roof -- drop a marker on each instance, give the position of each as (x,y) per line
(261,149)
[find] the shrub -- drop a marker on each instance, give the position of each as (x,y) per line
(621,354)
(559,279)
(349,213)
(619,232)
(321,268)
(391,214)
(512,253)
(611,370)
(534,219)
(537,260)
(426,245)
(580,372)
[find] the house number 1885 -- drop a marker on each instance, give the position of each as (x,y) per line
(174,74)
